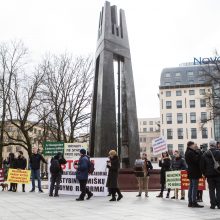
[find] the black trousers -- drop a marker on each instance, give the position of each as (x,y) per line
(55,179)
(214,190)
(163,187)
(114,191)
(84,190)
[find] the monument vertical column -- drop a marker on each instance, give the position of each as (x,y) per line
(114,96)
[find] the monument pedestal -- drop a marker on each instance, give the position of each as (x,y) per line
(128,181)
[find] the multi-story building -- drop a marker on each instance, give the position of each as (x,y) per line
(149,129)
(183,107)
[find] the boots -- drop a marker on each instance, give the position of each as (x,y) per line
(160,195)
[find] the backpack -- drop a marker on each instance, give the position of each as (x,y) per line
(216,163)
(54,166)
(91,166)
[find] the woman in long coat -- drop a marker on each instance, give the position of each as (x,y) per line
(112,181)
(165,164)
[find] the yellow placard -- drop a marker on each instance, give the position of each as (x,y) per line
(19,176)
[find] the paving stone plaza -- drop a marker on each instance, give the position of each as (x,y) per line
(35,206)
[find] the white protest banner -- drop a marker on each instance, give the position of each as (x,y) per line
(159,145)
(96,183)
(173,179)
(71,150)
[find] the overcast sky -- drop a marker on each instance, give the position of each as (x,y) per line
(162,33)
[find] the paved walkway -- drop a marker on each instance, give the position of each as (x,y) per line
(32,206)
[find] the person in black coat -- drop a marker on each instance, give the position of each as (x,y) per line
(56,177)
(178,163)
(213,176)
(165,164)
(21,164)
(193,157)
(112,181)
(12,164)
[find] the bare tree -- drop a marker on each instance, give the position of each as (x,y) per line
(26,100)
(68,88)
(12,60)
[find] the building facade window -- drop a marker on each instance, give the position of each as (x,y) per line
(203,116)
(190,74)
(167,83)
(9,149)
(179,118)
(191,92)
(177,83)
(18,148)
(192,117)
(168,93)
(181,149)
(167,75)
(193,133)
(151,129)
(178,75)
(180,133)
(168,104)
(202,103)
(179,103)
(202,91)
(144,129)
(170,149)
(151,123)
(169,118)
(144,123)
(140,139)
(144,140)
(204,133)
(178,93)
(192,103)
(169,134)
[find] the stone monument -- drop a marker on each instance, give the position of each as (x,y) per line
(114,118)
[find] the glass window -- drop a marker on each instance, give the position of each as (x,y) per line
(167,83)
(167,75)
(18,148)
(144,140)
(168,93)
(144,129)
(193,133)
(178,83)
(169,134)
(9,149)
(204,133)
(179,104)
(140,139)
(202,91)
(203,116)
(191,82)
(170,149)
(180,133)
(191,92)
(192,103)
(178,93)
(168,104)
(192,117)
(169,118)
(181,149)
(190,74)
(151,129)
(151,123)
(178,74)
(202,103)
(179,118)
(144,123)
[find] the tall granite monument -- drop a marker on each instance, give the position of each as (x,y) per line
(114,117)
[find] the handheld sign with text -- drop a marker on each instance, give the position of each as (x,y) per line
(1,175)
(72,150)
(19,176)
(159,145)
(52,148)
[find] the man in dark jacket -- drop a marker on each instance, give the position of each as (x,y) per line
(193,157)
(213,177)
(35,160)
(82,174)
(56,174)
(21,164)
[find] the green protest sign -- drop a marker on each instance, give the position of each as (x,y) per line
(173,179)
(52,148)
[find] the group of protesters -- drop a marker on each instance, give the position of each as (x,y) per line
(198,163)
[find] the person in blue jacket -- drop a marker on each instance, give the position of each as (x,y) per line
(82,174)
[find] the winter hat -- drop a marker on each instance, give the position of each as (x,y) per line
(83,151)
(212,143)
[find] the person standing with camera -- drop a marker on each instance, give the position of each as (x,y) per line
(112,181)
(82,173)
